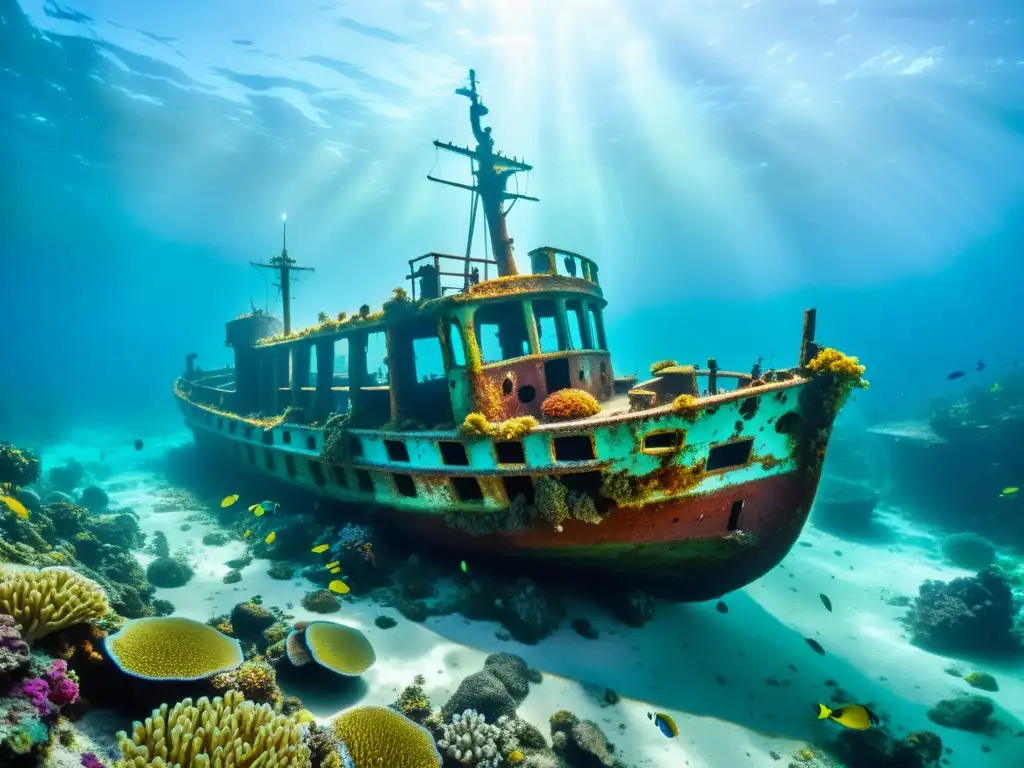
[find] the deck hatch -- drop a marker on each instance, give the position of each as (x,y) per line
(317,472)
(510,452)
(397,450)
(735,453)
(574,448)
(404,484)
(467,489)
(453,453)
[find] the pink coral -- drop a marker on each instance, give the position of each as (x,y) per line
(64,691)
(37,691)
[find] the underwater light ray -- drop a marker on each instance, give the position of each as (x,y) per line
(694,166)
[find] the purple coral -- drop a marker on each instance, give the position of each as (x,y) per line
(14,652)
(52,691)
(37,691)
(89,760)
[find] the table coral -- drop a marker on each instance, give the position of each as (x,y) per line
(172,648)
(339,648)
(50,599)
(228,731)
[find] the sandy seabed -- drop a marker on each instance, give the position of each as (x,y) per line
(741,685)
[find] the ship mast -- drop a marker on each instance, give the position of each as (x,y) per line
(492,171)
(284,265)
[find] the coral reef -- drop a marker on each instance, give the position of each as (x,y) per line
(580,742)
(49,599)
(969,550)
(494,691)
(565,404)
(320,601)
(966,614)
(94,499)
(378,736)
(661,365)
(413,702)
(339,648)
(256,680)
(555,503)
(169,572)
(966,713)
(14,651)
(982,680)
(204,733)
(470,740)
(172,648)
(18,467)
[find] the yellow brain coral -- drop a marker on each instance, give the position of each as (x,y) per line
(50,599)
(844,367)
(227,732)
(379,736)
(172,648)
(570,404)
(340,648)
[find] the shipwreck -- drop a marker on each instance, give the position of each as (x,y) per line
(520,441)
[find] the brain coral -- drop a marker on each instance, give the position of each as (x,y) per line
(50,599)
(172,648)
(227,732)
(340,648)
(378,736)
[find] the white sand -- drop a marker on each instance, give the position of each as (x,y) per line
(672,663)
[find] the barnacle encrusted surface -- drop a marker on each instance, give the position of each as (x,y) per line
(172,648)
(50,599)
(225,732)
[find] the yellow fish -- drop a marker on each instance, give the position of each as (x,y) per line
(335,570)
(852,716)
(320,548)
(258,510)
(1009,492)
(996,388)
(15,506)
(338,586)
(270,537)
(227,501)
(246,534)
(333,564)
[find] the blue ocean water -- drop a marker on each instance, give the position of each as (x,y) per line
(727,163)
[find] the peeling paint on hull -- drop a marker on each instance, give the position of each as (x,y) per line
(673,548)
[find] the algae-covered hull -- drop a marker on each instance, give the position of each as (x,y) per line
(690,503)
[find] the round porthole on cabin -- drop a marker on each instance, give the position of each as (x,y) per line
(527,393)
(788,423)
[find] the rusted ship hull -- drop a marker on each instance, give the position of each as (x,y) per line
(699,533)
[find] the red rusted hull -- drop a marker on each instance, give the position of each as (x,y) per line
(682,548)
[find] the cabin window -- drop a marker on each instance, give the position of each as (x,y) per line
(364,480)
(310,442)
(377,359)
(317,473)
(268,459)
(429,362)
(734,515)
(551,337)
(501,331)
(574,448)
(339,476)
(453,454)
(339,376)
(467,489)
(405,485)
(419,386)
(289,463)
(578,331)
(397,450)
(268,437)
(732,454)
(252,454)
(232,427)
(457,344)
(518,485)
(286,436)
(568,265)
(663,441)
(510,452)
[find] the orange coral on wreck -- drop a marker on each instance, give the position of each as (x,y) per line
(570,404)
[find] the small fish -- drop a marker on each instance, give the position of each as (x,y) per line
(996,388)
(665,724)
(463,567)
(956,375)
(227,501)
(320,548)
(815,645)
(138,444)
(826,602)
(335,570)
(270,506)
(15,506)
(980,366)
(1009,493)
(852,716)
(722,607)
(270,537)
(248,531)
(333,564)
(338,586)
